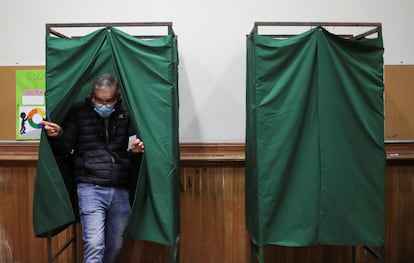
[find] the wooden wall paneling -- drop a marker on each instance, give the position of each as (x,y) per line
(212,212)
(236,239)
(18,162)
(212,215)
(241,248)
(400,211)
(9,221)
(18,242)
(310,254)
(392,207)
(362,255)
(208,216)
(191,221)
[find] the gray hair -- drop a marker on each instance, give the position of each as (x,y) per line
(105,82)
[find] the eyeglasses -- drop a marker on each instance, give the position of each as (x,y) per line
(104,102)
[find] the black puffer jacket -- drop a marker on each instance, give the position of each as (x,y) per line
(99,146)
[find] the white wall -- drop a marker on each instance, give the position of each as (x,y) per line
(211,41)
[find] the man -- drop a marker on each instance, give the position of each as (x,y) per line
(97,133)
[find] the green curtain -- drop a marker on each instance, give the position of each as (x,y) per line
(315,159)
(148,75)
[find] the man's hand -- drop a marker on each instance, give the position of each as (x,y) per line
(52,129)
(137,146)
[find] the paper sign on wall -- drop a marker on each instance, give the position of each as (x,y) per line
(30,103)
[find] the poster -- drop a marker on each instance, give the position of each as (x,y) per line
(30,103)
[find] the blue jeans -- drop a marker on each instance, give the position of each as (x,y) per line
(104,213)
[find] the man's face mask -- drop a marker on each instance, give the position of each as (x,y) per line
(104,108)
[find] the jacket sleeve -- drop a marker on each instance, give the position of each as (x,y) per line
(65,142)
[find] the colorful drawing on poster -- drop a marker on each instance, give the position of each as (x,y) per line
(30,103)
(30,118)
(35,117)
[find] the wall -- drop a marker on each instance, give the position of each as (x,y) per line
(211,44)
(399,94)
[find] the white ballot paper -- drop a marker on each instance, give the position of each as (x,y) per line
(131,141)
